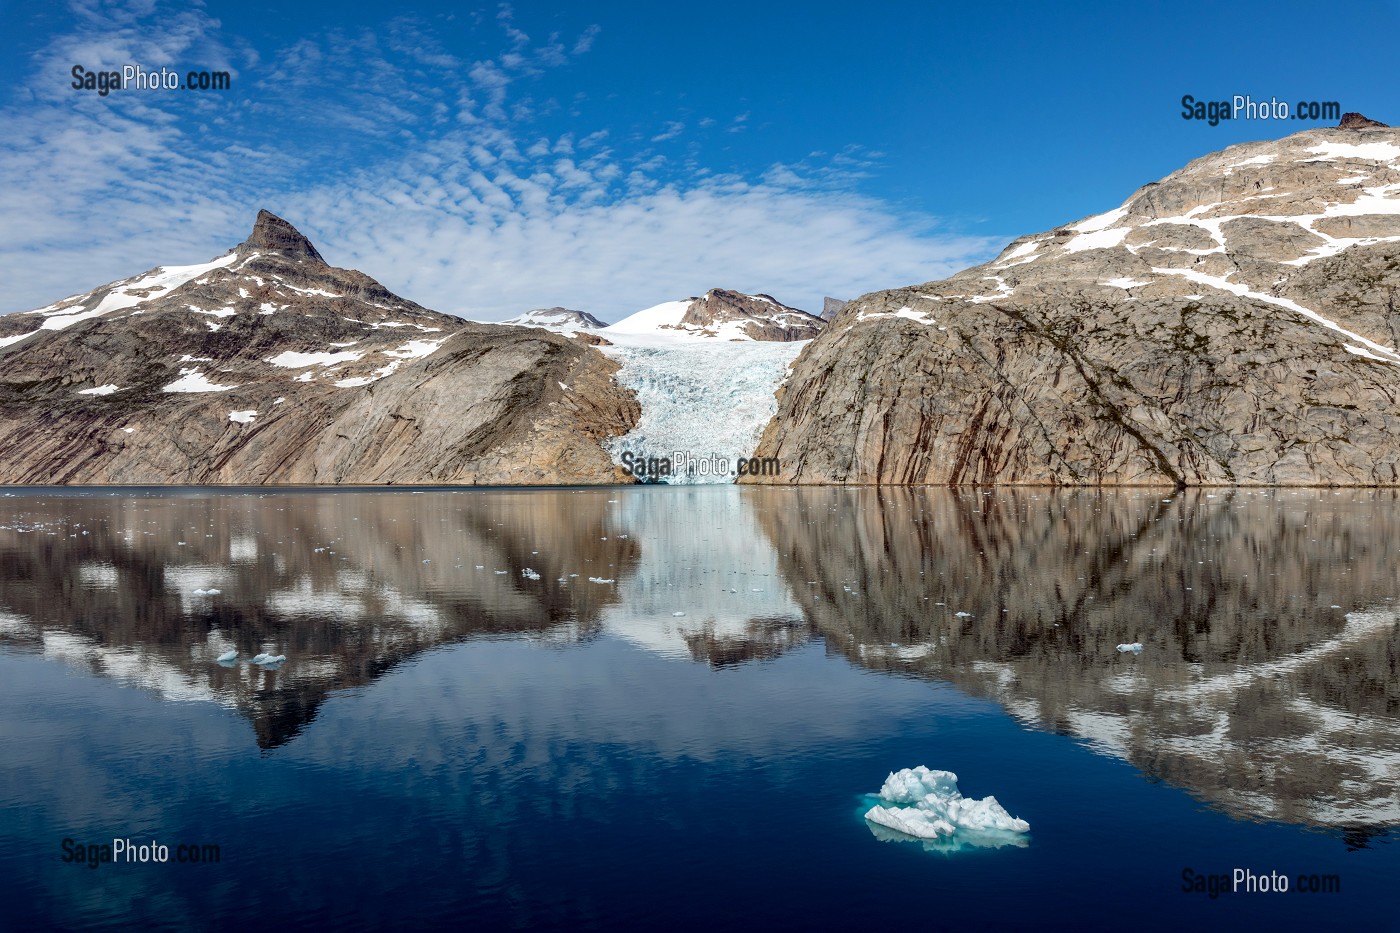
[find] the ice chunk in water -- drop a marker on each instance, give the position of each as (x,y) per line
(1135,648)
(228,656)
(926,804)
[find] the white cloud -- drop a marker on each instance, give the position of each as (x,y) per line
(673,129)
(421,170)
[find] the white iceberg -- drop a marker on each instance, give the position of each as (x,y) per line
(269,659)
(1135,648)
(920,803)
(228,656)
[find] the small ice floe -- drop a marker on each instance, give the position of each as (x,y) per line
(920,803)
(963,615)
(228,657)
(268,660)
(209,592)
(1135,648)
(501,573)
(677,614)
(529,574)
(600,580)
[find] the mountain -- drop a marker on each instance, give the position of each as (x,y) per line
(267,365)
(559,320)
(1233,323)
(719,314)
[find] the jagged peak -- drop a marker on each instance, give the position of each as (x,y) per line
(1357,121)
(272,233)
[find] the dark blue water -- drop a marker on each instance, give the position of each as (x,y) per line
(450,747)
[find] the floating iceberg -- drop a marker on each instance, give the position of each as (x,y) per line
(228,656)
(919,803)
(529,574)
(1135,648)
(267,660)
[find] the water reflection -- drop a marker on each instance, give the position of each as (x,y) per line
(1267,684)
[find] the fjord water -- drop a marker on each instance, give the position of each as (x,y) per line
(453,742)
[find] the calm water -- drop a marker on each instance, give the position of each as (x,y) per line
(452,742)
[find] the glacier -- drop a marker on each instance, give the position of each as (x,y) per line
(925,804)
(702,398)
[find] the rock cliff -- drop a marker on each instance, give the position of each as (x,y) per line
(759,317)
(267,365)
(1233,323)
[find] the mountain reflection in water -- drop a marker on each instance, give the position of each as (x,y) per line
(1266,686)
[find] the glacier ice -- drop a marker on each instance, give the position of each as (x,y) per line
(921,803)
(701,399)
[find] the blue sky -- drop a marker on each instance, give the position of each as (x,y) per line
(486,159)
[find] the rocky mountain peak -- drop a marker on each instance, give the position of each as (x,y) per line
(557,318)
(1232,324)
(761,317)
(1357,121)
(272,233)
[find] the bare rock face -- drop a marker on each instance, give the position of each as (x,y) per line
(832,307)
(1357,121)
(275,235)
(561,320)
(266,365)
(760,317)
(1234,323)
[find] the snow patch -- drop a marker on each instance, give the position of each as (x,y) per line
(290,359)
(107,389)
(243,417)
(1100,221)
(1378,152)
(192,380)
(1257,160)
(1097,239)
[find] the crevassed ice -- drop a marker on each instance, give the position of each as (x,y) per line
(705,399)
(926,804)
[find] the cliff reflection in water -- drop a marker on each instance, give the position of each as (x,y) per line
(346,585)
(1267,684)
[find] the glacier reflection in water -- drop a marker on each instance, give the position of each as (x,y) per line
(474,673)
